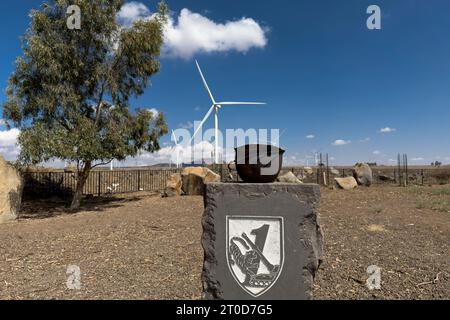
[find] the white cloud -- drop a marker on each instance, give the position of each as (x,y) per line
(310,136)
(2,122)
(131,12)
(377,152)
(188,125)
(339,143)
(8,144)
(9,138)
(154,111)
(191,33)
(202,151)
(417,159)
(365,140)
(387,130)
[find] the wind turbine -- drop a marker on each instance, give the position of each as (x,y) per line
(177,148)
(216,106)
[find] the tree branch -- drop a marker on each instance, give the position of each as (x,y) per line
(102,164)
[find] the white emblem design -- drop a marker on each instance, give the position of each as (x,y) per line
(255,252)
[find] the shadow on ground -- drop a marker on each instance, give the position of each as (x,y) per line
(49,208)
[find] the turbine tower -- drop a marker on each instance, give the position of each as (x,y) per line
(177,149)
(216,106)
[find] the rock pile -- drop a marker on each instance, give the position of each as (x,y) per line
(190,182)
(362,176)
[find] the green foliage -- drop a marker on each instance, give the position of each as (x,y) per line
(70,93)
(435,199)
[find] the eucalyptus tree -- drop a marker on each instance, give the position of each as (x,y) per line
(70,92)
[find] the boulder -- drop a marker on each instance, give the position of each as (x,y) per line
(211,177)
(348,183)
(193,185)
(334,171)
(10,191)
(200,171)
(363,174)
(289,177)
(385,178)
(174,186)
(194,180)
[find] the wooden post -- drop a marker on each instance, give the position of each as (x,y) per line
(406,169)
(99,183)
(139,181)
(328,171)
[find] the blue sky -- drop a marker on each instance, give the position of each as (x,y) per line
(319,68)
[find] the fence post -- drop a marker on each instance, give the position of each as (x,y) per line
(99,183)
(139,181)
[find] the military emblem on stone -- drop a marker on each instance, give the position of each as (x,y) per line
(255,249)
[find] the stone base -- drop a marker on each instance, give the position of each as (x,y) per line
(261,241)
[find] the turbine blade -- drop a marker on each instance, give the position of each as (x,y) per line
(240,103)
(174,138)
(203,122)
(205,83)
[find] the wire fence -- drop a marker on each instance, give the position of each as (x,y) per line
(381,175)
(100,182)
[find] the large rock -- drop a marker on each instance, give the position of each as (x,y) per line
(363,174)
(11,185)
(289,177)
(195,178)
(334,171)
(211,177)
(193,185)
(348,183)
(174,186)
(200,171)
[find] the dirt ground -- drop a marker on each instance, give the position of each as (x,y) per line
(145,247)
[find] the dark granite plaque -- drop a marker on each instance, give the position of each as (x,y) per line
(261,241)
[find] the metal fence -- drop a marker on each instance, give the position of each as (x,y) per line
(63,184)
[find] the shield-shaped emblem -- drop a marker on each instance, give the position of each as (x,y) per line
(255,252)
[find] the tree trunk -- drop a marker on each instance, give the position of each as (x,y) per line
(81,181)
